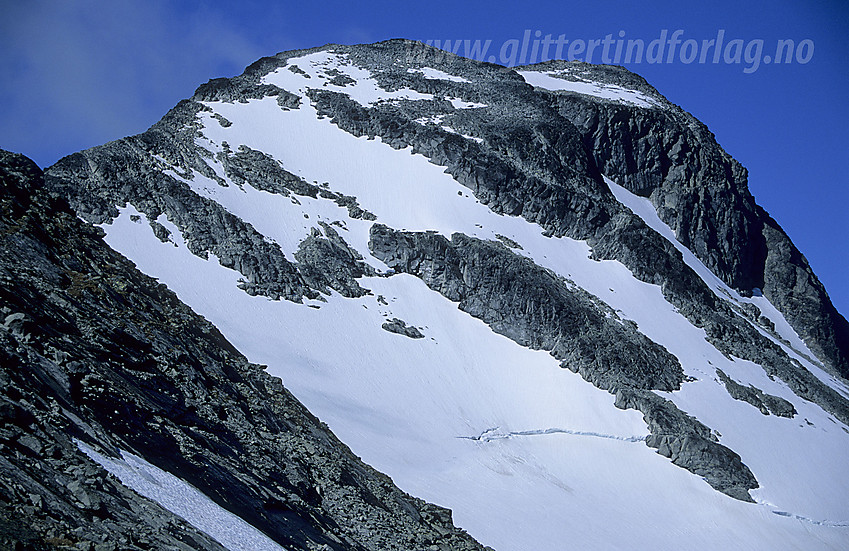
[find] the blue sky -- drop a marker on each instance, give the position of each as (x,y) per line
(77,74)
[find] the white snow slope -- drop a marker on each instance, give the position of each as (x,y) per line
(554,81)
(526,454)
(184,500)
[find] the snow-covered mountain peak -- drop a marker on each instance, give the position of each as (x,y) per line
(512,300)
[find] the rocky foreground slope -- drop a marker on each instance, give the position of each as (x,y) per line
(96,355)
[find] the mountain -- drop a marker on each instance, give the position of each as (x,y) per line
(542,297)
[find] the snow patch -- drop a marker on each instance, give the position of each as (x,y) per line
(436,74)
(184,500)
(318,71)
(452,131)
(432,119)
(405,191)
(550,81)
(462,104)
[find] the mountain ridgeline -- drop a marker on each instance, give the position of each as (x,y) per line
(565,151)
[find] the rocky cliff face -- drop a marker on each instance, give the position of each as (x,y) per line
(701,192)
(96,355)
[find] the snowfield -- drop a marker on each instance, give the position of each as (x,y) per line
(436,74)
(550,81)
(184,500)
(526,454)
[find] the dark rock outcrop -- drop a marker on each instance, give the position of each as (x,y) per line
(400,327)
(766,403)
(330,262)
(689,443)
